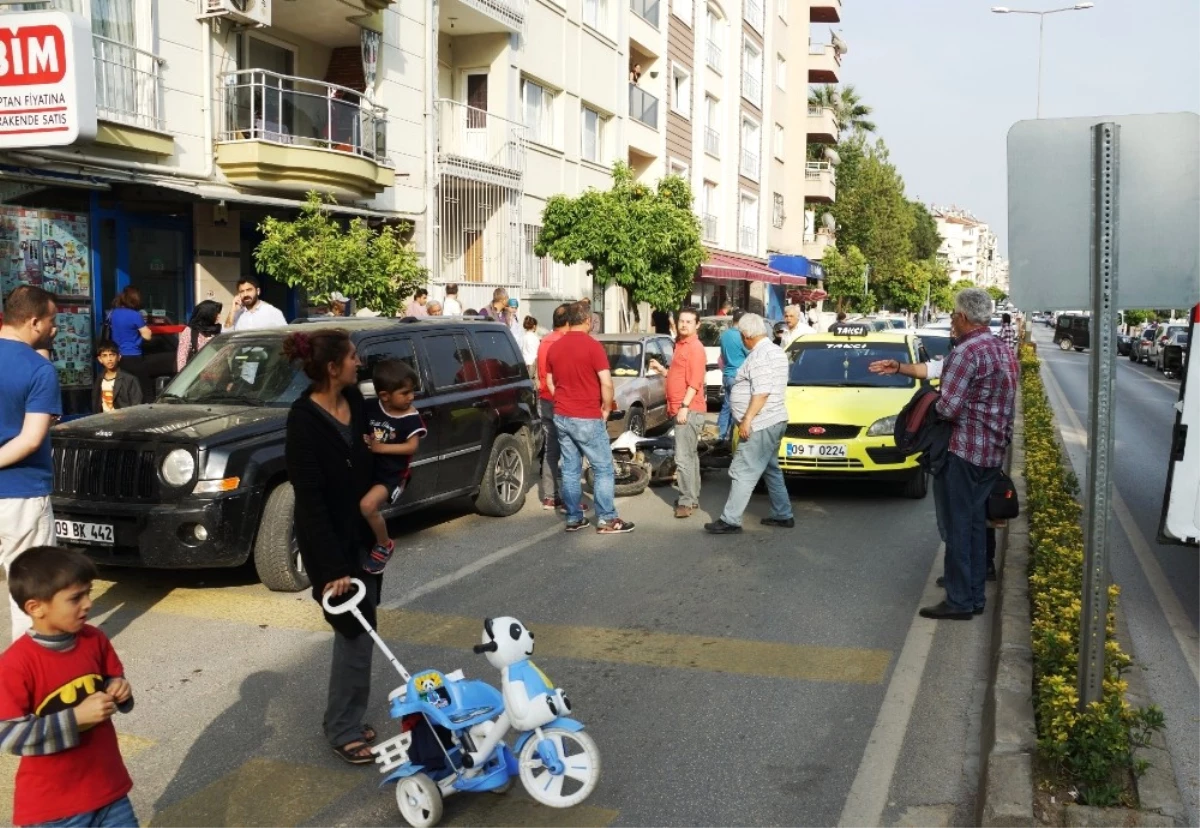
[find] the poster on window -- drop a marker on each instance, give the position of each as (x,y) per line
(20,248)
(72,351)
(66,268)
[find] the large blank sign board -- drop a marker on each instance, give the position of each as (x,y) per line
(1050,205)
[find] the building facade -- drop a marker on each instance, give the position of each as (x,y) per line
(969,248)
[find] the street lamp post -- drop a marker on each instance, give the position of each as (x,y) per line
(1041,15)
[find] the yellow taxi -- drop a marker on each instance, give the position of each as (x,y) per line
(841,417)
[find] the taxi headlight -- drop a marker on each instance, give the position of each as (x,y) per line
(883,428)
(178,467)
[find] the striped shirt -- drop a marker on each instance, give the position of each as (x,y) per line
(765,371)
(978,393)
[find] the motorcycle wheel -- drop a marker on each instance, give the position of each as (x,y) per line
(581,760)
(629,478)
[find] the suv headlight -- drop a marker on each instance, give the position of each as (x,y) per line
(178,467)
(883,428)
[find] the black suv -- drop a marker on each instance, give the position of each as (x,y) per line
(198,479)
(1073,331)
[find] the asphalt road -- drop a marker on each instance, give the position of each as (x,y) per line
(777,677)
(1160,584)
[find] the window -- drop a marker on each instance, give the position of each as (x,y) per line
(592,130)
(778,142)
(541,272)
(781,71)
(679,168)
(500,358)
(752,71)
(751,146)
(714,45)
(539,112)
(712,126)
(777,214)
(748,216)
(375,351)
(683,10)
(681,91)
(710,208)
(595,14)
(451,362)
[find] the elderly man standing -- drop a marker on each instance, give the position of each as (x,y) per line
(795,326)
(757,400)
(978,392)
(687,404)
(434,308)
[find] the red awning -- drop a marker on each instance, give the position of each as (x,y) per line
(806,295)
(729,266)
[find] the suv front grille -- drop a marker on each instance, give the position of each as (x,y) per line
(105,473)
(799,431)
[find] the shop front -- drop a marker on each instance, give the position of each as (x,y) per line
(800,284)
(743,281)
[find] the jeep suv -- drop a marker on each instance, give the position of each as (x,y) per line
(197,479)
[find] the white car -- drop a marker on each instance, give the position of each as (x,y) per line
(711,328)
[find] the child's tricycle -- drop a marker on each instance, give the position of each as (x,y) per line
(452,728)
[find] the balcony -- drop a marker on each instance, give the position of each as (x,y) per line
(478,144)
(713,56)
(296,134)
(752,89)
(643,107)
(472,17)
(824,63)
(825,11)
(822,125)
(749,165)
(646,9)
(820,183)
(748,240)
(815,247)
(711,228)
(129,93)
(754,14)
(712,142)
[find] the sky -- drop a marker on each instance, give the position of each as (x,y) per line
(948,78)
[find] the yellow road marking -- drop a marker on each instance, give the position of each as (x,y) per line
(801,662)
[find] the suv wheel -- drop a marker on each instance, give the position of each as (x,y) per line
(505,478)
(276,552)
(1065,343)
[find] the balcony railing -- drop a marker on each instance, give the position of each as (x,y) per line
(712,142)
(282,109)
(749,165)
(712,55)
(754,14)
(643,106)
(711,227)
(817,169)
(748,239)
(478,135)
(128,84)
(510,13)
(752,89)
(823,49)
(646,9)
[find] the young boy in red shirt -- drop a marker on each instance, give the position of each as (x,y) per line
(60,685)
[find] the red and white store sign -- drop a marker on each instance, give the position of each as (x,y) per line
(47,80)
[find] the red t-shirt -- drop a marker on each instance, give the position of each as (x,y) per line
(544,349)
(36,680)
(575,361)
(687,371)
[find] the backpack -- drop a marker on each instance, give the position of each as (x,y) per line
(1002,502)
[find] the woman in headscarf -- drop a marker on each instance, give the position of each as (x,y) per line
(202,327)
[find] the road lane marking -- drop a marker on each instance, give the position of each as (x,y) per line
(472,568)
(869,792)
(769,659)
(1172,610)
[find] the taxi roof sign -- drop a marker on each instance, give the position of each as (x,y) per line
(849,329)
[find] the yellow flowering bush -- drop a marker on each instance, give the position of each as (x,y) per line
(1090,747)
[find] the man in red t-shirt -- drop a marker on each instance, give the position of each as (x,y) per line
(580,381)
(686,402)
(550,483)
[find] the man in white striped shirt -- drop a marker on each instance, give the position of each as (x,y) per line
(757,402)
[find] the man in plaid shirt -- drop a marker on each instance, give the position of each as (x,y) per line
(1008,331)
(978,392)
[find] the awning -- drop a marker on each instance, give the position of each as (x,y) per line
(222,192)
(807,294)
(742,268)
(796,270)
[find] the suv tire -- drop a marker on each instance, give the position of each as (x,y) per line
(276,554)
(505,477)
(1066,344)
(916,486)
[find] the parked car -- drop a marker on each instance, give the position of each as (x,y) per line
(637,391)
(1124,344)
(198,479)
(1073,331)
(711,328)
(1161,337)
(1139,350)
(1172,356)
(936,342)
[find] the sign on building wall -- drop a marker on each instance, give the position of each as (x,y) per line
(47,80)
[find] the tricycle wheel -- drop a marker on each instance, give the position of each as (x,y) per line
(505,788)
(420,800)
(580,768)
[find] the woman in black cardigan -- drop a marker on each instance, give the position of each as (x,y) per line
(329,466)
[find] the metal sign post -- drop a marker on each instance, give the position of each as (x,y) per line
(1102,377)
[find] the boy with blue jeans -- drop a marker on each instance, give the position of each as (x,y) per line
(59,687)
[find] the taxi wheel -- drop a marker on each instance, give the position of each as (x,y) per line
(917,486)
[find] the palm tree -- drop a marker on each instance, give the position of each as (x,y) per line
(848,109)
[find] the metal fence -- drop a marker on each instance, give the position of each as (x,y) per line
(479,135)
(752,89)
(128,84)
(749,165)
(712,142)
(712,55)
(711,227)
(643,106)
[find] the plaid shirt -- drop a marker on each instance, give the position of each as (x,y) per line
(978,392)
(1009,334)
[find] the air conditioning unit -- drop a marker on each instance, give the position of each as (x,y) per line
(249,12)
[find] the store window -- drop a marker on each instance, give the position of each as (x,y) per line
(156,268)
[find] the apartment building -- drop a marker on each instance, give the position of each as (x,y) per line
(969,247)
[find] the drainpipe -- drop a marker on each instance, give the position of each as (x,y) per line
(432,206)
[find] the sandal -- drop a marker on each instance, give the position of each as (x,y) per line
(368,734)
(356,753)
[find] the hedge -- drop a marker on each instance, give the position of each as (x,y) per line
(1092,748)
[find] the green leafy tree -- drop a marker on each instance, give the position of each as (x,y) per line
(378,269)
(849,112)
(645,239)
(925,237)
(961,284)
(844,279)
(940,295)
(1133,318)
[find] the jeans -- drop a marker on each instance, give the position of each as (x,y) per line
(118,814)
(725,420)
(755,458)
(967,490)
(687,459)
(350,680)
(550,483)
(941,504)
(579,437)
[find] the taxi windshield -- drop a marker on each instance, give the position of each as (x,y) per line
(844,364)
(238,372)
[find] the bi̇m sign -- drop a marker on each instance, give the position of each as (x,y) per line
(47,80)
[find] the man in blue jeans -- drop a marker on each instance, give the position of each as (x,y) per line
(579,380)
(757,402)
(733,354)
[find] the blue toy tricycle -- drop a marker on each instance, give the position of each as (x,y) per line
(444,718)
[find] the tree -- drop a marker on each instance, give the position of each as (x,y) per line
(925,237)
(317,253)
(645,239)
(996,293)
(961,284)
(849,112)
(1133,318)
(844,279)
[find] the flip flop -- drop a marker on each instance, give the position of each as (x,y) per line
(356,753)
